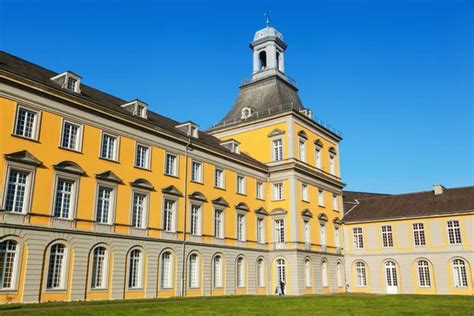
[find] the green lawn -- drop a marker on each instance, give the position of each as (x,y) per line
(259,305)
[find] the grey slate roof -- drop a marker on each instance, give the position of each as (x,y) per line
(41,75)
(418,204)
(262,95)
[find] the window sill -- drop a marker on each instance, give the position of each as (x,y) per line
(9,291)
(138,289)
(26,138)
(70,149)
(109,160)
(142,168)
(319,205)
(98,290)
(243,194)
(277,200)
(305,201)
(197,182)
(171,175)
(219,188)
(56,291)
(260,199)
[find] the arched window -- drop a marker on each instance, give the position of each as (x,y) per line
(135,269)
(166,270)
(193,271)
(56,267)
(424,279)
(332,160)
(307,272)
(240,272)
(281,270)
(262,57)
(99,268)
(260,273)
(459,273)
(218,267)
(8,264)
(339,274)
(361,274)
(324,273)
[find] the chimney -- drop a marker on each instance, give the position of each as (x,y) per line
(438,189)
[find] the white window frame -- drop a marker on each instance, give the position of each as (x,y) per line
(304,192)
(307,231)
(112,203)
(260,225)
(36,123)
(424,273)
(174,169)
(218,272)
(322,234)
(241,184)
(116,149)
(277,149)
(144,215)
(324,273)
(30,171)
(74,194)
(459,273)
(280,233)
(199,177)
(219,182)
(454,232)
(195,223)
(339,282)
(260,273)
(166,270)
(241,226)
(337,236)
(139,270)
(321,197)
(361,274)
(170,226)
(105,268)
(259,190)
(318,156)
(240,272)
(15,265)
(307,273)
(63,269)
(194,271)
(358,237)
(278,191)
(78,146)
(302,149)
(146,159)
(332,164)
(219,233)
(335,202)
(419,238)
(387,236)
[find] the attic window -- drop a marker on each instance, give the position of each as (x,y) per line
(191,129)
(68,80)
(137,108)
(232,145)
(246,113)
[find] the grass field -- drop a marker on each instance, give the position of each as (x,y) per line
(260,305)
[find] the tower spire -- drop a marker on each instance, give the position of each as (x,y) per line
(267,17)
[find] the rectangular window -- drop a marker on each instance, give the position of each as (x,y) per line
(277,149)
(219,223)
(304,192)
(361,274)
(358,237)
(196,171)
(64,199)
(109,147)
(241,184)
(26,124)
(168,220)
(219,178)
(99,268)
(322,232)
(241,227)
(279,231)
(318,157)
(171,165)
(278,191)
(71,137)
(142,157)
(306,232)
(104,204)
(8,263)
(335,204)
(454,232)
(195,219)
(139,210)
(320,197)
(387,237)
(259,190)
(260,231)
(337,238)
(332,165)
(302,150)
(17,188)
(56,267)
(419,234)
(71,84)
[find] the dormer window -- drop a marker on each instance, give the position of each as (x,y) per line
(232,145)
(307,113)
(137,108)
(246,112)
(68,80)
(191,129)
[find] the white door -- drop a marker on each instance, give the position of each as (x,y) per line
(391,277)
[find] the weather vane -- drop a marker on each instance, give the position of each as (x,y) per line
(267,16)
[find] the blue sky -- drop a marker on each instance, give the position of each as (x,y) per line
(396,77)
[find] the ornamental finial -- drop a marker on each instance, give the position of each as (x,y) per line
(267,17)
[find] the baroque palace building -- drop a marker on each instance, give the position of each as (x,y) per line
(102,198)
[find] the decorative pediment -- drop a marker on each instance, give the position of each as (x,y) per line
(108,176)
(142,184)
(172,190)
(261,211)
(70,167)
(307,213)
(278,211)
(242,206)
(303,134)
(197,196)
(322,217)
(276,132)
(25,157)
(220,201)
(318,143)
(333,150)
(337,221)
